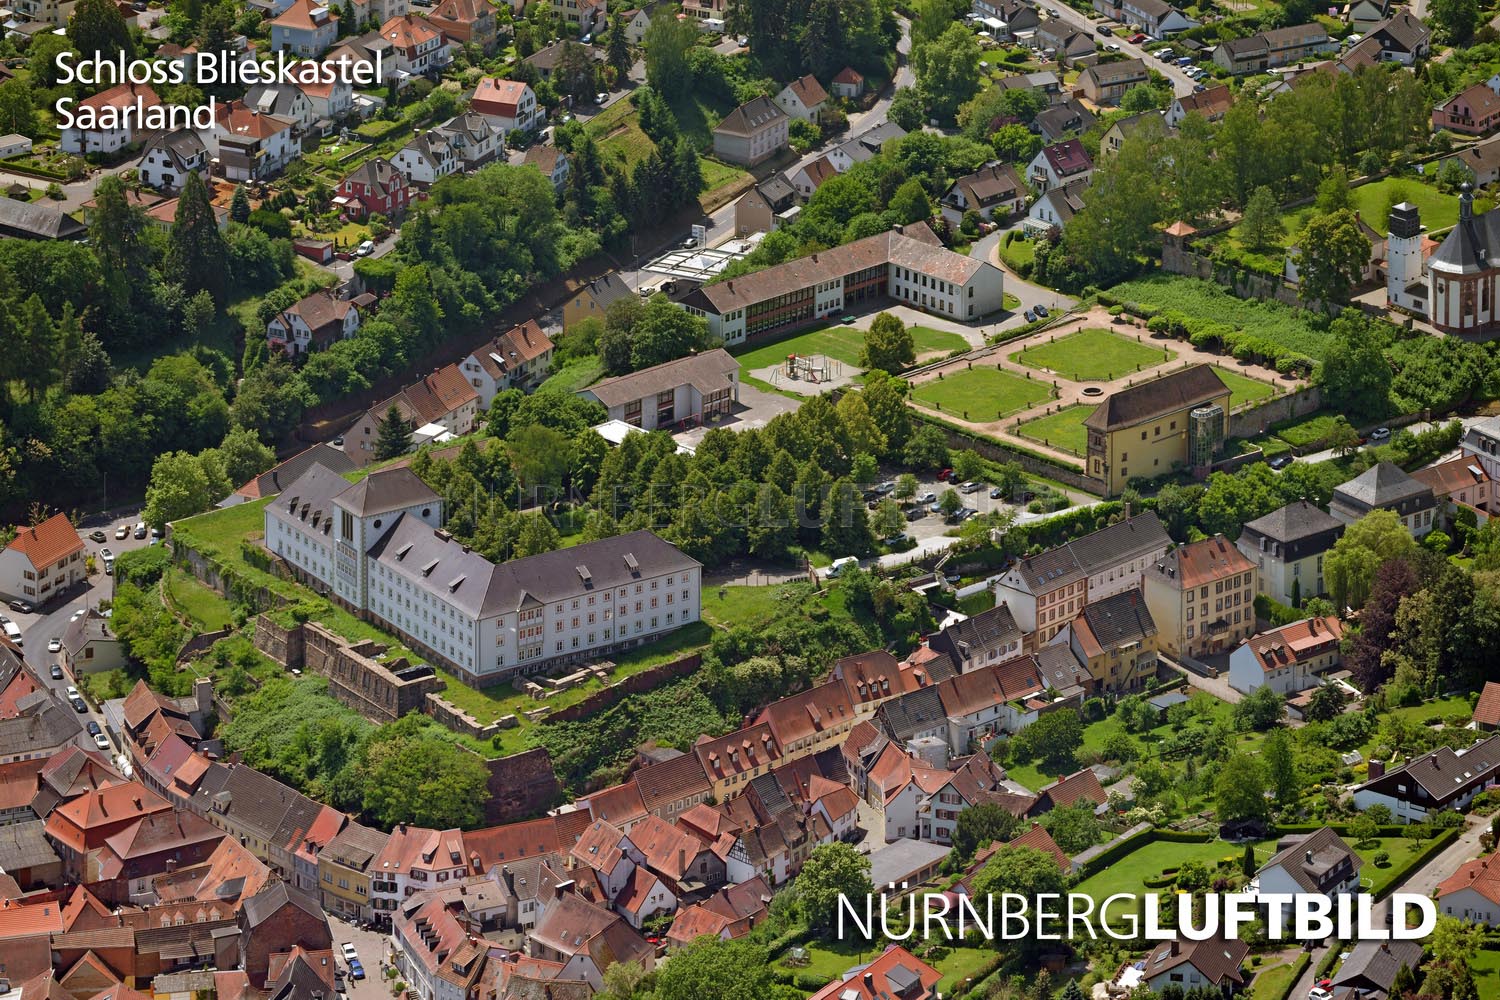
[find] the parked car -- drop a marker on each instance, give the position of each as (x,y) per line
(971,487)
(102,742)
(1041,311)
(22,606)
(365,249)
(1137,38)
(78,705)
(839,565)
(1112,46)
(1380,434)
(140,529)
(996,493)
(1281,461)
(122,532)
(350,954)
(945,475)
(916,514)
(1106,30)
(600,98)
(56,672)
(1184,60)
(1199,88)
(97,535)
(1030,315)
(1319,993)
(356,971)
(896,541)
(54,645)
(93,728)
(889,486)
(928,497)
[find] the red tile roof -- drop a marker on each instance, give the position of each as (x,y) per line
(872,982)
(1487,709)
(47,543)
(1296,642)
(1039,839)
(498,97)
(1082,785)
(1482,875)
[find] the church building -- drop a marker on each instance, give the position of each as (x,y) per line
(1454,284)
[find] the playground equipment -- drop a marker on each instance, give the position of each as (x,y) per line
(811,368)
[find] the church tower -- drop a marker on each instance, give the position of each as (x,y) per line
(1404,286)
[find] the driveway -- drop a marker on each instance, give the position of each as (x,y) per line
(1182,84)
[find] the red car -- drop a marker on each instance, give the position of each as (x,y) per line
(945,475)
(1137,38)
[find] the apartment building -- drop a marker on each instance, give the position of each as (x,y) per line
(1386,487)
(1202,597)
(1287,547)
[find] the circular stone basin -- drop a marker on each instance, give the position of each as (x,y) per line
(1092,390)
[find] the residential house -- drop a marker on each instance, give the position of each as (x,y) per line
(1065,39)
(551,161)
(1370,968)
(305,28)
(249,146)
(1117,641)
(607,856)
(416,46)
(1202,596)
(896,265)
(1114,137)
(636,22)
(803,98)
(1048,591)
(730,913)
(671,787)
(42,561)
(765,206)
(42,13)
(344,870)
(435,952)
(1317,863)
(863,147)
(1362,16)
(1458,482)
(510,105)
(312,324)
(996,187)
(1044,82)
(465,22)
(1080,786)
(1287,547)
(897,974)
(849,84)
(167,159)
(517,359)
(1214,963)
(687,391)
(1054,209)
(810,176)
(80,827)
(706,12)
(1473,111)
(1481,444)
(1385,486)
(595,298)
(989,637)
(1157,18)
(1472,893)
(1402,38)
(426,159)
(1487,708)
(1211,105)
(1433,782)
(546,60)
(1068,117)
(444,398)
(1180,419)
(811,721)
(474,140)
(1007,20)
(283,101)
(412,859)
(274,922)
(108,106)
(90,646)
(329,102)
(982,703)
(586,939)
(733,760)
(1274,49)
(1106,83)
(589,15)
(1061,163)
(375,187)
(752,133)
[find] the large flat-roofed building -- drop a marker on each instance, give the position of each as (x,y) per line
(890,265)
(378,547)
(685,390)
(1148,430)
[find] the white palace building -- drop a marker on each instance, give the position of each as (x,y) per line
(378,547)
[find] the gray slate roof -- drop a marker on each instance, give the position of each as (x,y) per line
(25,845)
(911,713)
(1375,963)
(989,629)
(1382,485)
(1120,619)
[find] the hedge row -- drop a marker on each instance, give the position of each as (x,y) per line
(1110,855)
(1434,847)
(1299,966)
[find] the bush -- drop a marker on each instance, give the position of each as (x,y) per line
(1381,858)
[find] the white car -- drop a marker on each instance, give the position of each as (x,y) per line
(350,955)
(72,692)
(366,248)
(1319,993)
(101,741)
(54,645)
(122,532)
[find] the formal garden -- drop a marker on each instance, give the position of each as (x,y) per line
(975,393)
(1093,354)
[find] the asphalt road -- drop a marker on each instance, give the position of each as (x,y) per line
(51,620)
(1182,84)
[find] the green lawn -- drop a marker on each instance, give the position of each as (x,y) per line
(1018,253)
(1093,355)
(1486,969)
(617,129)
(1063,430)
(1402,851)
(841,342)
(1129,873)
(576,374)
(203,606)
(976,393)
(1243,389)
(829,960)
(1273,982)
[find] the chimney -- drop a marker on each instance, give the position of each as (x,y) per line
(1377,768)
(1308,854)
(869,979)
(1127,510)
(681,859)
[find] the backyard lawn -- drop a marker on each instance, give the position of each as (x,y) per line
(829,960)
(975,393)
(1274,981)
(1486,969)
(1243,389)
(1093,355)
(1129,873)
(1063,430)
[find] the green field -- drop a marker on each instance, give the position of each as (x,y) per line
(844,343)
(1093,355)
(829,960)
(202,606)
(1274,981)
(976,393)
(1128,874)
(1486,969)
(617,129)
(1281,325)
(1243,389)
(1063,430)
(576,374)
